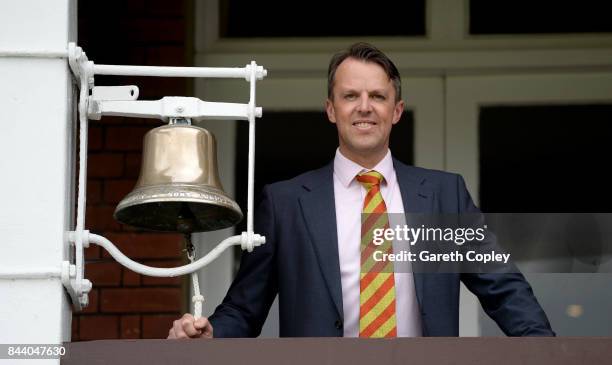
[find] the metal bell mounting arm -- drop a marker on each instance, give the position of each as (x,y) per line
(122,101)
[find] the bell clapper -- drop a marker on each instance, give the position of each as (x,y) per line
(197,298)
(189,247)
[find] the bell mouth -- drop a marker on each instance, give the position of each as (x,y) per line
(178,208)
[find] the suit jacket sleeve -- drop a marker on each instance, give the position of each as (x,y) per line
(507,298)
(247,303)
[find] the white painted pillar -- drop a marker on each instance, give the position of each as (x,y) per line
(37,144)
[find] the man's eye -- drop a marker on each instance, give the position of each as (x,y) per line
(379,97)
(350,96)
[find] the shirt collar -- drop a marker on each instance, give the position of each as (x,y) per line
(346,170)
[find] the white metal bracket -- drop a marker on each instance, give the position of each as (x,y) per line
(108,93)
(122,101)
(109,102)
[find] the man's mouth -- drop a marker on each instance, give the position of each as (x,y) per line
(364,124)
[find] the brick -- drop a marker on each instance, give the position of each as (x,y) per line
(93,306)
(154,31)
(130,278)
(116,190)
(136,56)
(157,326)
(132,164)
(135,300)
(147,245)
(110,50)
(145,32)
(135,7)
(149,123)
(157,281)
(110,120)
(130,327)
(105,165)
(166,8)
(84,32)
(92,10)
(156,88)
(94,140)
(103,273)
(74,336)
(94,192)
(166,56)
(121,138)
(126,228)
(98,327)
(92,252)
(99,218)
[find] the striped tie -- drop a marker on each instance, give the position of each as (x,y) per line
(377,282)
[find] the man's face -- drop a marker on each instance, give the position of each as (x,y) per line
(364,110)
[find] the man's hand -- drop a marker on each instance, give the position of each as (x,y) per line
(189,327)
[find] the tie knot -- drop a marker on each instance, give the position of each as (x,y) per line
(369,179)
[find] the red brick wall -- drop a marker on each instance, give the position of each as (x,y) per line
(124,304)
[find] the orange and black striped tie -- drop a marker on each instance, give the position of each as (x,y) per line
(377,282)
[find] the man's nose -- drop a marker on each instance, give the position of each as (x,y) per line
(364,104)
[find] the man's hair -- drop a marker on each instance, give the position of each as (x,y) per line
(367,53)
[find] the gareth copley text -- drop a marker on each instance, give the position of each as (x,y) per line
(455,256)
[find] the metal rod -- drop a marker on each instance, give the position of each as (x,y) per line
(251,173)
(164,272)
(161,71)
(82,197)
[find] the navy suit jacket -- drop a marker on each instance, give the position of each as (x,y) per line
(300,264)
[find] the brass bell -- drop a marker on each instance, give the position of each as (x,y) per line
(178,189)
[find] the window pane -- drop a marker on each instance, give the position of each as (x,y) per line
(317,18)
(545,158)
(537,17)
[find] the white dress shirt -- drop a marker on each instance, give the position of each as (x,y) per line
(349,196)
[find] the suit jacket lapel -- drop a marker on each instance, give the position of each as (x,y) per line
(318,207)
(416,198)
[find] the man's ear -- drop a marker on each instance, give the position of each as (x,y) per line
(397,111)
(331,113)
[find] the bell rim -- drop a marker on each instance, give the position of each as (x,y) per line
(193,194)
(237,216)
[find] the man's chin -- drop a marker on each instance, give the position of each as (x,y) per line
(364,151)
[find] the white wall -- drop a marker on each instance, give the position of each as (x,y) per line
(36,160)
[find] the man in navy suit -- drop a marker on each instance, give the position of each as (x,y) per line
(312,227)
